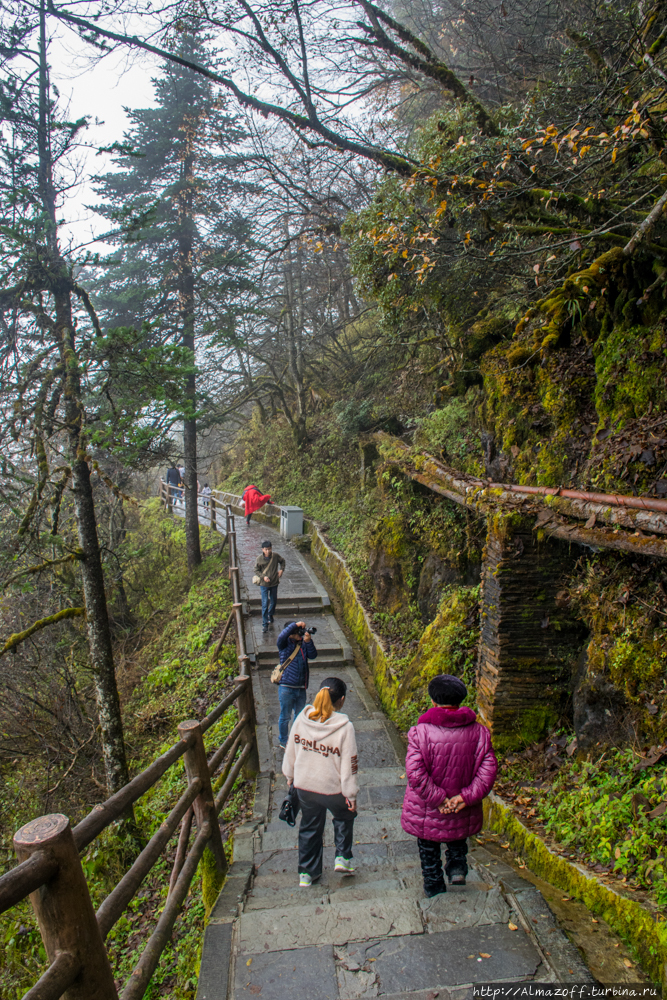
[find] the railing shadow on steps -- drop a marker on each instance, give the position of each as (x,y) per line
(48,849)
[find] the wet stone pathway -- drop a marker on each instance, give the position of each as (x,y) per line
(375,934)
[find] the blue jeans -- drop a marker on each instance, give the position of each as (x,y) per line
(291,700)
(269,598)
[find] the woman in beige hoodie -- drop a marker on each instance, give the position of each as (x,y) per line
(321,760)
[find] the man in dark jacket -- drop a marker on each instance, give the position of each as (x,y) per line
(294,682)
(173,480)
(269,568)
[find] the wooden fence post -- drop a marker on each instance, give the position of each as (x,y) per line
(246,704)
(214,520)
(64,909)
(196,766)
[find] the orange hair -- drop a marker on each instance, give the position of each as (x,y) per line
(323,706)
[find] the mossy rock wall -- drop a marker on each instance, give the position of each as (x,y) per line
(356,617)
(447,646)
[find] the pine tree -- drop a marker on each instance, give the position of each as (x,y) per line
(182,246)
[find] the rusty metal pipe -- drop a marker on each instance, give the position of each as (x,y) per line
(613,499)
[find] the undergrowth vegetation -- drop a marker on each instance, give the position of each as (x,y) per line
(165,676)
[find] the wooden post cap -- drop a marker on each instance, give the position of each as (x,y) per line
(188,726)
(41,831)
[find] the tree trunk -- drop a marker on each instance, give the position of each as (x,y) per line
(187,309)
(97,618)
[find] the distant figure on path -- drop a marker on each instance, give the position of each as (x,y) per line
(206,495)
(269,567)
(294,681)
(321,762)
(173,478)
(450,767)
(253,500)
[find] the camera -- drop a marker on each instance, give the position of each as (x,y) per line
(302,631)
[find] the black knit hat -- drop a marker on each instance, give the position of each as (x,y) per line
(445,689)
(267,545)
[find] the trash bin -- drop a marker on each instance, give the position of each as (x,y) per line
(291,521)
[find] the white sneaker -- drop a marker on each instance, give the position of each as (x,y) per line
(305,879)
(343,866)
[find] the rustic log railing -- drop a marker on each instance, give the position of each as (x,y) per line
(48,849)
(208,504)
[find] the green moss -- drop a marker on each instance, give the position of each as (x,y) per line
(448,646)
(631,370)
(644,931)
(211,881)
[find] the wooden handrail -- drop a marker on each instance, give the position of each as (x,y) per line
(49,849)
(114,905)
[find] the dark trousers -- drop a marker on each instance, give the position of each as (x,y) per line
(311,832)
(430,857)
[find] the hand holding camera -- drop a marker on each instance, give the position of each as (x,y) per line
(302,631)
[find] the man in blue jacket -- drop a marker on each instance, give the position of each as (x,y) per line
(294,681)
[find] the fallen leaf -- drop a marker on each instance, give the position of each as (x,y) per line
(627,963)
(484,954)
(471,956)
(658,811)
(617,853)
(595,921)
(590,523)
(249,962)
(402,778)
(512,927)
(566,899)
(505,845)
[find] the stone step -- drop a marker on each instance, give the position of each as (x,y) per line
(326,662)
(367,830)
(336,923)
(255,600)
(326,650)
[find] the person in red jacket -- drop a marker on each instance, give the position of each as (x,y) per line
(450,767)
(253,500)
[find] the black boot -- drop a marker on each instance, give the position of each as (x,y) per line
(456,865)
(429,855)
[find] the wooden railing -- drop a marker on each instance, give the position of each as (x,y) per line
(208,505)
(48,848)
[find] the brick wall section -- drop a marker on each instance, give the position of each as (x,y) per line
(529,639)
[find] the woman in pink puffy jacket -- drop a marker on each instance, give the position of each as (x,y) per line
(450,767)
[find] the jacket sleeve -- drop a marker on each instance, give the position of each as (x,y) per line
(486,767)
(259,567)
(417,773)
(289,756)
(283,638)
(311,652)
(280,561)
(349,783)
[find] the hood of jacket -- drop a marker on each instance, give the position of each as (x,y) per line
(449,717)
(319,730)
